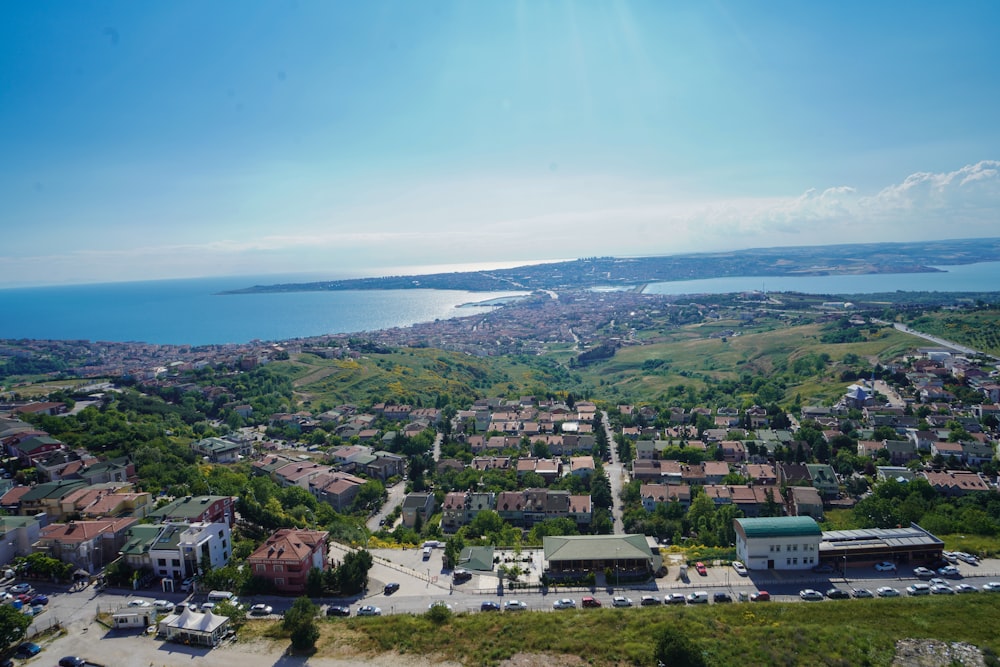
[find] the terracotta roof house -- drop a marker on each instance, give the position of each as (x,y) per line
(88,545)
(286,557)
(654,494)
(956,482)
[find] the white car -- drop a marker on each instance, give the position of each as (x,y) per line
(919,589)
(966,558)
(992,587)
(942,589)
(163,606)
(20,589)
(369,610)
(949,571)
(564,603)
(621,601)
(439,603)
(514,605)
(740,568)
(887,592)
(139,603)
(207,606)
(261,609)
(966,588)
(885,566)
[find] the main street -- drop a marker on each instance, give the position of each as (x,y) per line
(616,476)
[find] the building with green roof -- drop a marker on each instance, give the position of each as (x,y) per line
(574,555)
(778,543)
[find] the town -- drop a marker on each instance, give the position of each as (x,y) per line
(177,490)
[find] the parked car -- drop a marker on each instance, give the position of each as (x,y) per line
(458,576)
(923,572)
(39,599)
(949,556)
(72,661)
(27,649)
(338,610)
(621,601)
(207,606)
(261,609)
(966,588)
(564,603)
(740,568)
(648,601)
(721,597)
(949,571)
(489,605)
(760,596)
(187,584)
(885,566)
(439,603)
(862,593)
(992,587)
(20,589)
(698,597)
(919,589)
(701,568)
(590,602)
(837,594)
(810,594)
(942,589)
(163,606)
(369,610)
(674,598)
(966,558)
(390,588)
(887,592)
(514,605)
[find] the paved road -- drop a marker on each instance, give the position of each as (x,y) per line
(934,339)
(616,475)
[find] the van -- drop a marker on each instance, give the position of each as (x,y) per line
(427,553)
(698,597)
(461,575)
(221,596)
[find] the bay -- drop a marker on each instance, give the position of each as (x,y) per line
(192,312)
(980,277)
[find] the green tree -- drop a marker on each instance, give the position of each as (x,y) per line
(300,623)
(674,649)
(13,625)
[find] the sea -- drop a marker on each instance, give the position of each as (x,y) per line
(193,312)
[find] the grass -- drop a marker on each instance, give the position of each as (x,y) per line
(850,632)
(982,545)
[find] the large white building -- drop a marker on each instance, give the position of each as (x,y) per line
(778,543)
(180,549)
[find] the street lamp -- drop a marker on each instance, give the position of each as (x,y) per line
(618,569)
(845,566)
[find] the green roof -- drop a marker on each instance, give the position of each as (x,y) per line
(596,547)
(477,558)
(780,526)
(140,538)
(185,507)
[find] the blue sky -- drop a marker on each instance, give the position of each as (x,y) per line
(181,139)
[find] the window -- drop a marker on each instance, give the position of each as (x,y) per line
(175,562)
(279,568)
(279,582)
(161,561)
(795,547)
(261,568)
(795,561)
(788,561)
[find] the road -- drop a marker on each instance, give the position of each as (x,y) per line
(934,339)
(616,476)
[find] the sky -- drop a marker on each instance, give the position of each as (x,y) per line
(151,140)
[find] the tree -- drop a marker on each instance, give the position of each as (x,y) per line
(13,625)
(673,648)
(300,622)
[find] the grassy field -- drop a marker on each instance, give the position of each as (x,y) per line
(851,632)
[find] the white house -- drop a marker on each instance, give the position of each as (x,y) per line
(778,543)
(181,548)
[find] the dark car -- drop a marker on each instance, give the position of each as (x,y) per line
(72,661)
(338,611)
(391,588)
(489,605)
(40,599)
(721,597)
(837,594)
(27,649)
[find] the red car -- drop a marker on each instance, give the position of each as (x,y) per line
(590,602)
(701,568)
(760,596)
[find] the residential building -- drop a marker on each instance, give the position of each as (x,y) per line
(196,509)
(657,494)
(220,450)
(417,505)
(287,556)
(87,545)
(17,535)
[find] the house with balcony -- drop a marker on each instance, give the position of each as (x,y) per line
(287,556)
(417,505)
(87,545)
(196,509)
